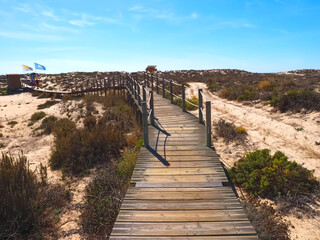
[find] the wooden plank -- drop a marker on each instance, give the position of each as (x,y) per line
(177,171)
(232,237)
(179,184)
(139,204)
(182,215)
(185,229)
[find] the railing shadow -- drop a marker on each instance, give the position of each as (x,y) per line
(160,129)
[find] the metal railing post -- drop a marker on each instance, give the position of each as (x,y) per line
(183,98)
(200,105)
(151,108)
(171,92)
(208,123)
(145,123)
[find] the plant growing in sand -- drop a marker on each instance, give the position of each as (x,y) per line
(262,174)
(26,203)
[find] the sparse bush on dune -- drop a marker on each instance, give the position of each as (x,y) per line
(189,107)
(104,196)
(26,202)
(101,140)
(262,174)
(297,100)
(229,132)
(267,222)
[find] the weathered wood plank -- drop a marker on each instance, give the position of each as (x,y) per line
(183,229)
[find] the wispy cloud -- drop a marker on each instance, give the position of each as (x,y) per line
(194,15)
(51,15)
(166,14)
(30,36)
(237,23)
(281,2)
(88,20)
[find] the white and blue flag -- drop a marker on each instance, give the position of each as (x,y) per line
(39,66)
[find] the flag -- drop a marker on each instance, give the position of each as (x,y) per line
(26,68)
(39,66)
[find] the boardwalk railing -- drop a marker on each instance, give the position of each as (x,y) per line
(170,90)
(142,99)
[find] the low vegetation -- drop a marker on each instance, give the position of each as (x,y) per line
(36,117)
(189,107)
(265,175)
(268,223)
(12,123)
(296,100)
(27,202)
(99,141)
(229,132)
(104,195)
(47,104)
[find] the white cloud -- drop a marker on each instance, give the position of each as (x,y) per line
(135,8)
(30,36)
(194,15)
(51,15)
(81,22)
(238,23)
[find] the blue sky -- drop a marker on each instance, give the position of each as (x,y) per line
(69,35)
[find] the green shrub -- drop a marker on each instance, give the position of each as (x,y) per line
(229,132)
(37,116)
(12,123)
(47,104)
(80,149)
(297,100)
(261,174)
(47,124)
(104,196)
(26,203)
(189,107)
(90,121)
(103,200)
(213,86)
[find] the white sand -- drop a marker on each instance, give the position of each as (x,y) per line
(37,149)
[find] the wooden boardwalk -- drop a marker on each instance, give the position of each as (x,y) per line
(179,189)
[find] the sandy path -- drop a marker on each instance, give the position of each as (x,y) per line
(275,131)
(267,129)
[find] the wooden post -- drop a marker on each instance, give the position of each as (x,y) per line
(144,93)
(171,92)
(208,123)
(183,98)
(200,105)
(151,108)
(145,78)
(139,95)
(135,89)
(105,86)
(157,84)
(145,123)
(163,88)
(100,85)
(152,82)
(114,84)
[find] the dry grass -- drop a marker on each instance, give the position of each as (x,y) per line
(27,203)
